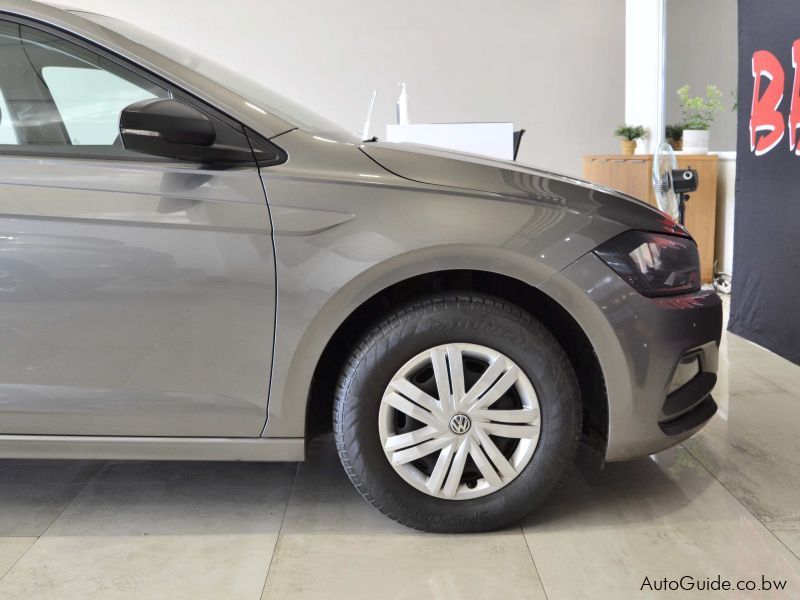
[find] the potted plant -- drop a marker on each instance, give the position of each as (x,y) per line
(698,115)
(674,136)
(628,134)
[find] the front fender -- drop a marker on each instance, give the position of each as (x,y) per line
(305,326)
(345,229)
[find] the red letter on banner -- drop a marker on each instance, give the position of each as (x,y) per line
(764,115)
(794,113)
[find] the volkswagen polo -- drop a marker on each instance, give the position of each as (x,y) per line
(195,268)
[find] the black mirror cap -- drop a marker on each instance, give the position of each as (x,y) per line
(167,120)
(172,129)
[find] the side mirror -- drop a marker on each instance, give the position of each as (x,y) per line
(172,129)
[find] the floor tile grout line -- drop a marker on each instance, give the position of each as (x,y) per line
(56,518)
(74,498)
(533,561)
(739,500)
(280,529)
(19,558)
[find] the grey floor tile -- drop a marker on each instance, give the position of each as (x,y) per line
(736,346)
(751,446)
(735,378)
(161,530)
(775,369)
(11,549)
(133,567)
(753,449)
(402,567)
(325,501)
(34,492)
(654,517)
(180,498)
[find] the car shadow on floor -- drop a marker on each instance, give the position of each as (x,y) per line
(638,490)
(72,497)
(145,497)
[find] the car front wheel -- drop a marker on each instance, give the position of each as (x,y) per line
(457,413)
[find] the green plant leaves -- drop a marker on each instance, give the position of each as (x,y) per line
(630,132)
(698,111)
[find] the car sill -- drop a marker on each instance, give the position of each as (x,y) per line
(152,448)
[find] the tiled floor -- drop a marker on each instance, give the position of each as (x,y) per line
(725,503)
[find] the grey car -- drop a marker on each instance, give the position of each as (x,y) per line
(194,268)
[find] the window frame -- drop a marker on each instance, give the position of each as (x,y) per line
(84,152)
(3,110)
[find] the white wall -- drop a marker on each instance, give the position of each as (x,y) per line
(726,200)
(644,69)
(553,68)
(702,48)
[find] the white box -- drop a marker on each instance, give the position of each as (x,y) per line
(489,139)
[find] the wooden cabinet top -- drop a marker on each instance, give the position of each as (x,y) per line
(678,155)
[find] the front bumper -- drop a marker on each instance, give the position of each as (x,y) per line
(659,356)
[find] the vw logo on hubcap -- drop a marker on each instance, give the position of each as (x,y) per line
(460,424)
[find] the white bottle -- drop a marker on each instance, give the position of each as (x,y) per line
(402,106)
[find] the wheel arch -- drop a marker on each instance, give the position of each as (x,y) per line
(557,319)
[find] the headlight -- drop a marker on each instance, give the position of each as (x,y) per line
(654,264)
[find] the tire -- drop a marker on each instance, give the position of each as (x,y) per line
(472,327)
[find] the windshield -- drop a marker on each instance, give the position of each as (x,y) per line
(279,105)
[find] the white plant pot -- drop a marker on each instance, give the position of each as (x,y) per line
(695,141)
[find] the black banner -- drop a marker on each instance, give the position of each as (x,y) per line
(765,300)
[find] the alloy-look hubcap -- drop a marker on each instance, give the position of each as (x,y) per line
(470,431)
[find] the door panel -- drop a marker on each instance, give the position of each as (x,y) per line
(135,299)
(137,296)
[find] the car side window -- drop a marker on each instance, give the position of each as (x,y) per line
(58,98)
(89,102)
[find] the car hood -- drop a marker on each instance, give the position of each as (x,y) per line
(434,166)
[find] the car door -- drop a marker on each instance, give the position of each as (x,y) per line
(137,294)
